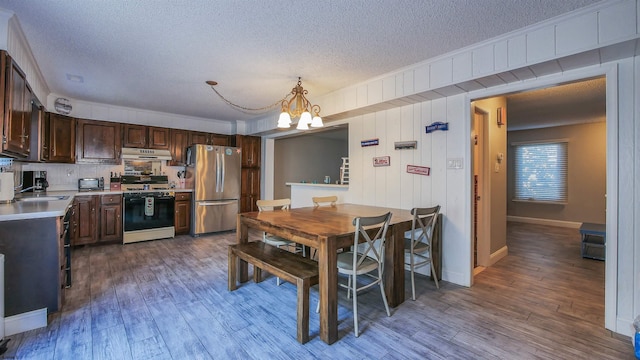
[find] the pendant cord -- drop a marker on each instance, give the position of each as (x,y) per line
(248,110)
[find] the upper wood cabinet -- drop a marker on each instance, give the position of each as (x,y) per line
(98,142)
(159,138)
(141,136)
(196,137)
(179,144)
(59,138)
(251,150)
(217,139)
(16,116)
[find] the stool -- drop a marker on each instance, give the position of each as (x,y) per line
(594,239)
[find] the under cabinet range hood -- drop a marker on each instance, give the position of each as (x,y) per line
(145,154)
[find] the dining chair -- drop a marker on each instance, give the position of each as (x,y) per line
(365,258)
(417,243)
(321,200)
(277,241)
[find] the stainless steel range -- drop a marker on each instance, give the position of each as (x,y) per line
(148,208)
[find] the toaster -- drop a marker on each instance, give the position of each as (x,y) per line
(91,184)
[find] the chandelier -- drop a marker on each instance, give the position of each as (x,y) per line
(299,106)
(294,105)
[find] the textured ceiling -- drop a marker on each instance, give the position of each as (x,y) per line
(156,55)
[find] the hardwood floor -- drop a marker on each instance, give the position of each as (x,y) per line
(168,299)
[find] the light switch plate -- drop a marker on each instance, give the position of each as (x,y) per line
(454,163)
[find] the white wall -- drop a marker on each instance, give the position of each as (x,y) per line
(598,40)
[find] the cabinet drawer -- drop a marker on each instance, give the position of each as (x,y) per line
(110,199)
(183,196)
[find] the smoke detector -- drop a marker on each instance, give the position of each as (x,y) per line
(62,106)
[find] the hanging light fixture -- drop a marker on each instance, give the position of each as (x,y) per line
(298,106)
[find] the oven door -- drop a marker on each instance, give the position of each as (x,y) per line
(148,217)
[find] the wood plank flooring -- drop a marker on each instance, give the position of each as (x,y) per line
(168,299)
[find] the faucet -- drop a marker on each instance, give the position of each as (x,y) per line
(23,190)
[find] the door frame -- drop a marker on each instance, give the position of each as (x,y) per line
(484,214)
(610,72)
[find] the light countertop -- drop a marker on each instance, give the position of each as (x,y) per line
(20,210)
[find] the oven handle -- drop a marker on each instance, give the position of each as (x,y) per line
(215,203)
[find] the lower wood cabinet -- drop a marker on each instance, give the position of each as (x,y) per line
(182,221)
(110,218)
(96,218)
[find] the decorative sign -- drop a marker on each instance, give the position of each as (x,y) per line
(382,161)
(420,170)
(372,142)
(437,126)
(401,145)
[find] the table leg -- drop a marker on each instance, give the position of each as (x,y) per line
(394,265)
(328,289)
(242,236)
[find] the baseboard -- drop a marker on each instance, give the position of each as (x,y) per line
(496,256)
(26,321)
(548,222)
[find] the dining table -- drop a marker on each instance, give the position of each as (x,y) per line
(328,229)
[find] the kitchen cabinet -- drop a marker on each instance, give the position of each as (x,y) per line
(45,137)
(158,138)
(196,137)
(59,138)
(250,189)
(17,95)
(96,218)
(250,173)
(84,221)
(251,150)
(178,147)
(148,137)
(183,213)
(110,218)
(32,267)
(98,142)
(217,139)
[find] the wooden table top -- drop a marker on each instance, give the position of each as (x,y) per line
(325,220)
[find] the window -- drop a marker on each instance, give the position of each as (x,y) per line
(541,171)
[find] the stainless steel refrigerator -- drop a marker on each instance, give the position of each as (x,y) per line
(213,172)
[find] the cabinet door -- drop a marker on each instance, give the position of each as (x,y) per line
(45,146)
(250,150)
(86,215)
(134,136)
(196,137)
(62,136)
(111,218)
(179,144)
(158,138)
(98,142)
(250,189)
(17,117)
(182,222)
(217,139)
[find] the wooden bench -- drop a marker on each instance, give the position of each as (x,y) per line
(298,270)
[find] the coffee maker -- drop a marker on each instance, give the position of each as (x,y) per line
(35,181)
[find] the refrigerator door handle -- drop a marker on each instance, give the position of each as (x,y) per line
(222,166)
(215,203)
(217,171)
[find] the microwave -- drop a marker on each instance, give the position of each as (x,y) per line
(91,184)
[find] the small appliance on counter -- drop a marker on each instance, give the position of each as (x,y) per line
(6,187)
(34,181)
(91,184)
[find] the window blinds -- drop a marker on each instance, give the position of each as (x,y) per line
(541,172)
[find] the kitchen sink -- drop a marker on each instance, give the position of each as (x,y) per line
(43,198)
